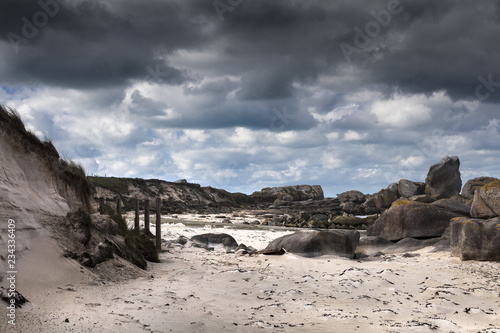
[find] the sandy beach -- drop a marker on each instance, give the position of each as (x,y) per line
(195,290)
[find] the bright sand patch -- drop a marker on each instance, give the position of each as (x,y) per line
(194,290)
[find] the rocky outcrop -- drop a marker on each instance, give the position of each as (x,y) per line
(475,239)
(486,202)
(473,184)
(316,243)
(294,193)
(443,179)
(411,219)
(407,188)
(177,197)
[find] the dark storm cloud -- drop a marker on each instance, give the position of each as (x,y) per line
(273,46)
(445,45)
(88,44)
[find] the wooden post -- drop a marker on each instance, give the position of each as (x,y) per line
(136,225)
(158,224)
(119,207)
(101,206)
(146,216)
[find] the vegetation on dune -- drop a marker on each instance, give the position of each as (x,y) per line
(117,185)
(71,172)
(12,123)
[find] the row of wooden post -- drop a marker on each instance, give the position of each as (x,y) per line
(146,217)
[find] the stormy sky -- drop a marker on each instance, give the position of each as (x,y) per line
(245,94)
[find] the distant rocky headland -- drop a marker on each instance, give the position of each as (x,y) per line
(419,210)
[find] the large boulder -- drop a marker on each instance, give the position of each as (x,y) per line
(316,243)
(443,179)
(295,193)
(351,196)
(407,188)
(473,184)
(486,202)
(413,219)
(211,239)
(475,239)
(385,197)
(453,205)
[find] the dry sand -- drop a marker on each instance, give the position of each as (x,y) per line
(195,290)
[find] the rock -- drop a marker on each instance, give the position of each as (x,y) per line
(407,188)
(410,244)
(486,202)
(368,207)
(370,219)
(294,193)
(385,197)
(272,252)
(181,240)
(351,196)
(453,206)
(266,221)
(320,217)
(283,202)
(473,184)
(351,207)
(208,239)
(444,242)
(316,223)
(242,250)
(411,219)
(240,253)
(443,179)
(316,243)
(475,239)
(370,246)
(242,247)
(181,181)
(353,221)
(424,198)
